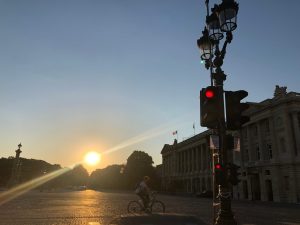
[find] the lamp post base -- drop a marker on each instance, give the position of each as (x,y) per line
(225,215)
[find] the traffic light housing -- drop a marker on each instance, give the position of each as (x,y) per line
(233,173)
(211,107)
(220,175)
(234,109)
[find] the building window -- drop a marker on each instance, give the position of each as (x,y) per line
(267,126)
(286,183)
(257,153)
(269,146)
(267,172)
(282,144)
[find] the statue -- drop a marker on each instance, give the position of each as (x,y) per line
(280,91)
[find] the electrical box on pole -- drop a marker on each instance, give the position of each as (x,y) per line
(233,173)
(211,106)
(235,109)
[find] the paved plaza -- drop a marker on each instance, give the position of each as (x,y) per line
(94,208)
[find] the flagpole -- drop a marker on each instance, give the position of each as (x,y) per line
(177,135)
(194,129)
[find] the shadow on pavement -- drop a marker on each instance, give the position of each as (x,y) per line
(157,219)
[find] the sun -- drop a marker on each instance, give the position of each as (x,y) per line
(92,158)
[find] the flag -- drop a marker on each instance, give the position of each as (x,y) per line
(193,125)
(175,132)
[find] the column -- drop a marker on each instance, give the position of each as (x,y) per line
(193,160)
(185,161)
(273,136)
(197,159)
(262,149)
(190,160)
(249,146)
(204,157)
(288,135)
(263,191)
(202,160)
(296,131)
(181,163)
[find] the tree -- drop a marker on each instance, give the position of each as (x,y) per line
(110,177)
(139,164)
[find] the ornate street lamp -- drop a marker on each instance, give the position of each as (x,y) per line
(213,25)
(227,13)
(206,45)
(222,20)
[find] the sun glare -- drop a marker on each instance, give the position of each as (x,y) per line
(92,158)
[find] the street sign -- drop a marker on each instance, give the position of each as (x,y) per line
(214,142)
(237,144)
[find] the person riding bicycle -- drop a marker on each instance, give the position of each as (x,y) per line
(143,191)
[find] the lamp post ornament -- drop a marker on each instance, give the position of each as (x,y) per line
(16,169)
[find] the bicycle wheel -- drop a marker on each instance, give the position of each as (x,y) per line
(134,207)
(157,207)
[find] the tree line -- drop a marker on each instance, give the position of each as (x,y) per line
(118,177)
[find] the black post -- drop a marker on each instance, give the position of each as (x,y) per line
(225,214)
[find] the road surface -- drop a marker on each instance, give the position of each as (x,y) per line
(98,208)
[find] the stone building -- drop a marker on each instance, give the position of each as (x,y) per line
(269,154)
(186,166)
(270,150)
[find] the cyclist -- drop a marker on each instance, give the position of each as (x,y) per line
(143,191)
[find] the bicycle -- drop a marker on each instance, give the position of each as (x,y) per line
(137,206)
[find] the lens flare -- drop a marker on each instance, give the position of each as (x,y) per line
(92,158)
(14,192)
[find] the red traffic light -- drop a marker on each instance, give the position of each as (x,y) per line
(218,166)
(209,93)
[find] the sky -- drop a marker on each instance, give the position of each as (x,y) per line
(114,76)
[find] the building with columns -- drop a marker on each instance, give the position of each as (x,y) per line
(269,154)
(270,150)
(186,166)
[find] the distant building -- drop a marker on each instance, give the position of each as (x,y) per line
(269,154)
(186,166)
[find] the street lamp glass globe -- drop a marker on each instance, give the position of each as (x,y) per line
(227,13)
(205,45)
(213,26)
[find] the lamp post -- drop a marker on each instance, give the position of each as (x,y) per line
(222,20)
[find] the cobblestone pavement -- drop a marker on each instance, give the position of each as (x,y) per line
(94,208)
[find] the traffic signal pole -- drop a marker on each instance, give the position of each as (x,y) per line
(225,214)
(212,110)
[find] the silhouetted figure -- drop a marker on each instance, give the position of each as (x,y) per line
(143,191)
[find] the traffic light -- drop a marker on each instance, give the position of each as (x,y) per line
(232,173)
(211,107)
(234,109)
(220,176)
